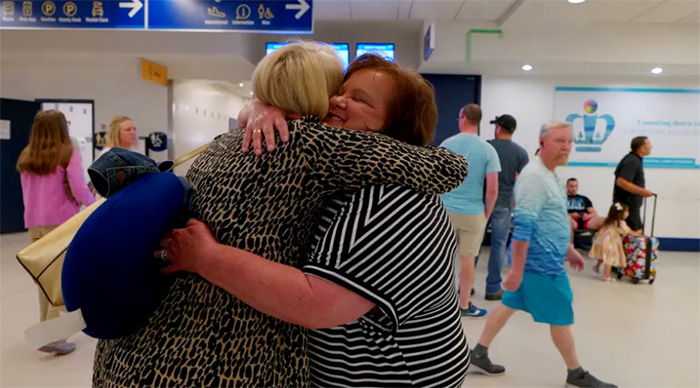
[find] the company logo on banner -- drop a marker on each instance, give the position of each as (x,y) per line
(605,120)
(588,140)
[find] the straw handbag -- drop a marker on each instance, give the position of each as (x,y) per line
(43,259)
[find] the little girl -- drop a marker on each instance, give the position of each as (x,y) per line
(607,245)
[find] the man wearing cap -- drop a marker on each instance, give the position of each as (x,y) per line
(465,204)
(513,159)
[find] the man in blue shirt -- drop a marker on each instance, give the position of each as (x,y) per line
(537,282)
(465,204)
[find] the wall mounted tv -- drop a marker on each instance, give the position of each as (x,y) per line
(386,50)
(341,49)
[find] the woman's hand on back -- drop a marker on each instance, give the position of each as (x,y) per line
(187,249)
(260,120)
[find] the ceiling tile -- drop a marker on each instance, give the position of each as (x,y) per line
(435,9)
(374,9)
(617,11)
(405,9)
(670,12)
(332,10)
(561,12)
(692,19)
(480,10)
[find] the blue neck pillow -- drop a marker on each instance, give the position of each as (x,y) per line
(109,270)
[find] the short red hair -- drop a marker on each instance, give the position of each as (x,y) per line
(412,114)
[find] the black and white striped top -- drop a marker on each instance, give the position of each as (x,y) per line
(395,247)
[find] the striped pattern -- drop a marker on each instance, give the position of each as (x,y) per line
(395,247)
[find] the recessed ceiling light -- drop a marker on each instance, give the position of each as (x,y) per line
(527,67)
(576,1)
(240,85)
(657,70)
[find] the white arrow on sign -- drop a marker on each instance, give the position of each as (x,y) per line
(303,6)
(135,6)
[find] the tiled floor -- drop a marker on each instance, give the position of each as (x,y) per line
(632,335)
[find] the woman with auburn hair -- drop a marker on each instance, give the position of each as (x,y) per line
(377,288)
(53,189)
(204,335)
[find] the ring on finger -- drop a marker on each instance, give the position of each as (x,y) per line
(257,130)
(164,254)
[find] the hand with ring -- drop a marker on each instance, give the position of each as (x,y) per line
(163,254)
(187,249)
(260,121)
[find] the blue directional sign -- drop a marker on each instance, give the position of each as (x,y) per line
(261,15)
(283,16)
(125,14)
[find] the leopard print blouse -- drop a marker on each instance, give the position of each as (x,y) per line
(202,336)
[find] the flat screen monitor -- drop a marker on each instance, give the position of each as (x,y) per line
(343,52)
(341,49)
(270,47)
(385,50)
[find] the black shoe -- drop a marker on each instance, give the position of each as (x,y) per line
(484,366)
(586,380)
(496,296)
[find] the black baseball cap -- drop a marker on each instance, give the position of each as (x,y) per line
(505,121)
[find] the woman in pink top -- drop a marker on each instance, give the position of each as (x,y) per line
(53,188)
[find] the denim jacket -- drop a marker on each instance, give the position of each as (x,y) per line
(118,168)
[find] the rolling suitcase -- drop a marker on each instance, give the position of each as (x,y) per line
(641,252)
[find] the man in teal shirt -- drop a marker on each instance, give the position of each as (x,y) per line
(465,204)
(537,282)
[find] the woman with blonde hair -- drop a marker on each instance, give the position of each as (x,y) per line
(53,189)
(201,334)
(122,133)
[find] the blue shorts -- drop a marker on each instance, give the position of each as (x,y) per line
(547,298)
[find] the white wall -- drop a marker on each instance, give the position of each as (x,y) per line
(531,101)
(114,84)
(639,47)
(200,111)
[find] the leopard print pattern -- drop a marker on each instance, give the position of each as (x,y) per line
(202,336)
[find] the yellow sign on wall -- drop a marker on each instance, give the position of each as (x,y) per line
(151,71)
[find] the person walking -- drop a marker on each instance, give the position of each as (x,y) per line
(53,189)
(513,159)
(630,186)
(537,282)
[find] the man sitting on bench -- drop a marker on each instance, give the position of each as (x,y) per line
(582,214)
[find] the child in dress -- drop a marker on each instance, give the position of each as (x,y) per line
(607,245)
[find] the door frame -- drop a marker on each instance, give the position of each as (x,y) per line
(21,121)
(74,101)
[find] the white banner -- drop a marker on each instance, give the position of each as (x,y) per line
(605,120)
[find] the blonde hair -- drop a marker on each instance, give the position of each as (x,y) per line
(299,78)
(113,139)
(49,145)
